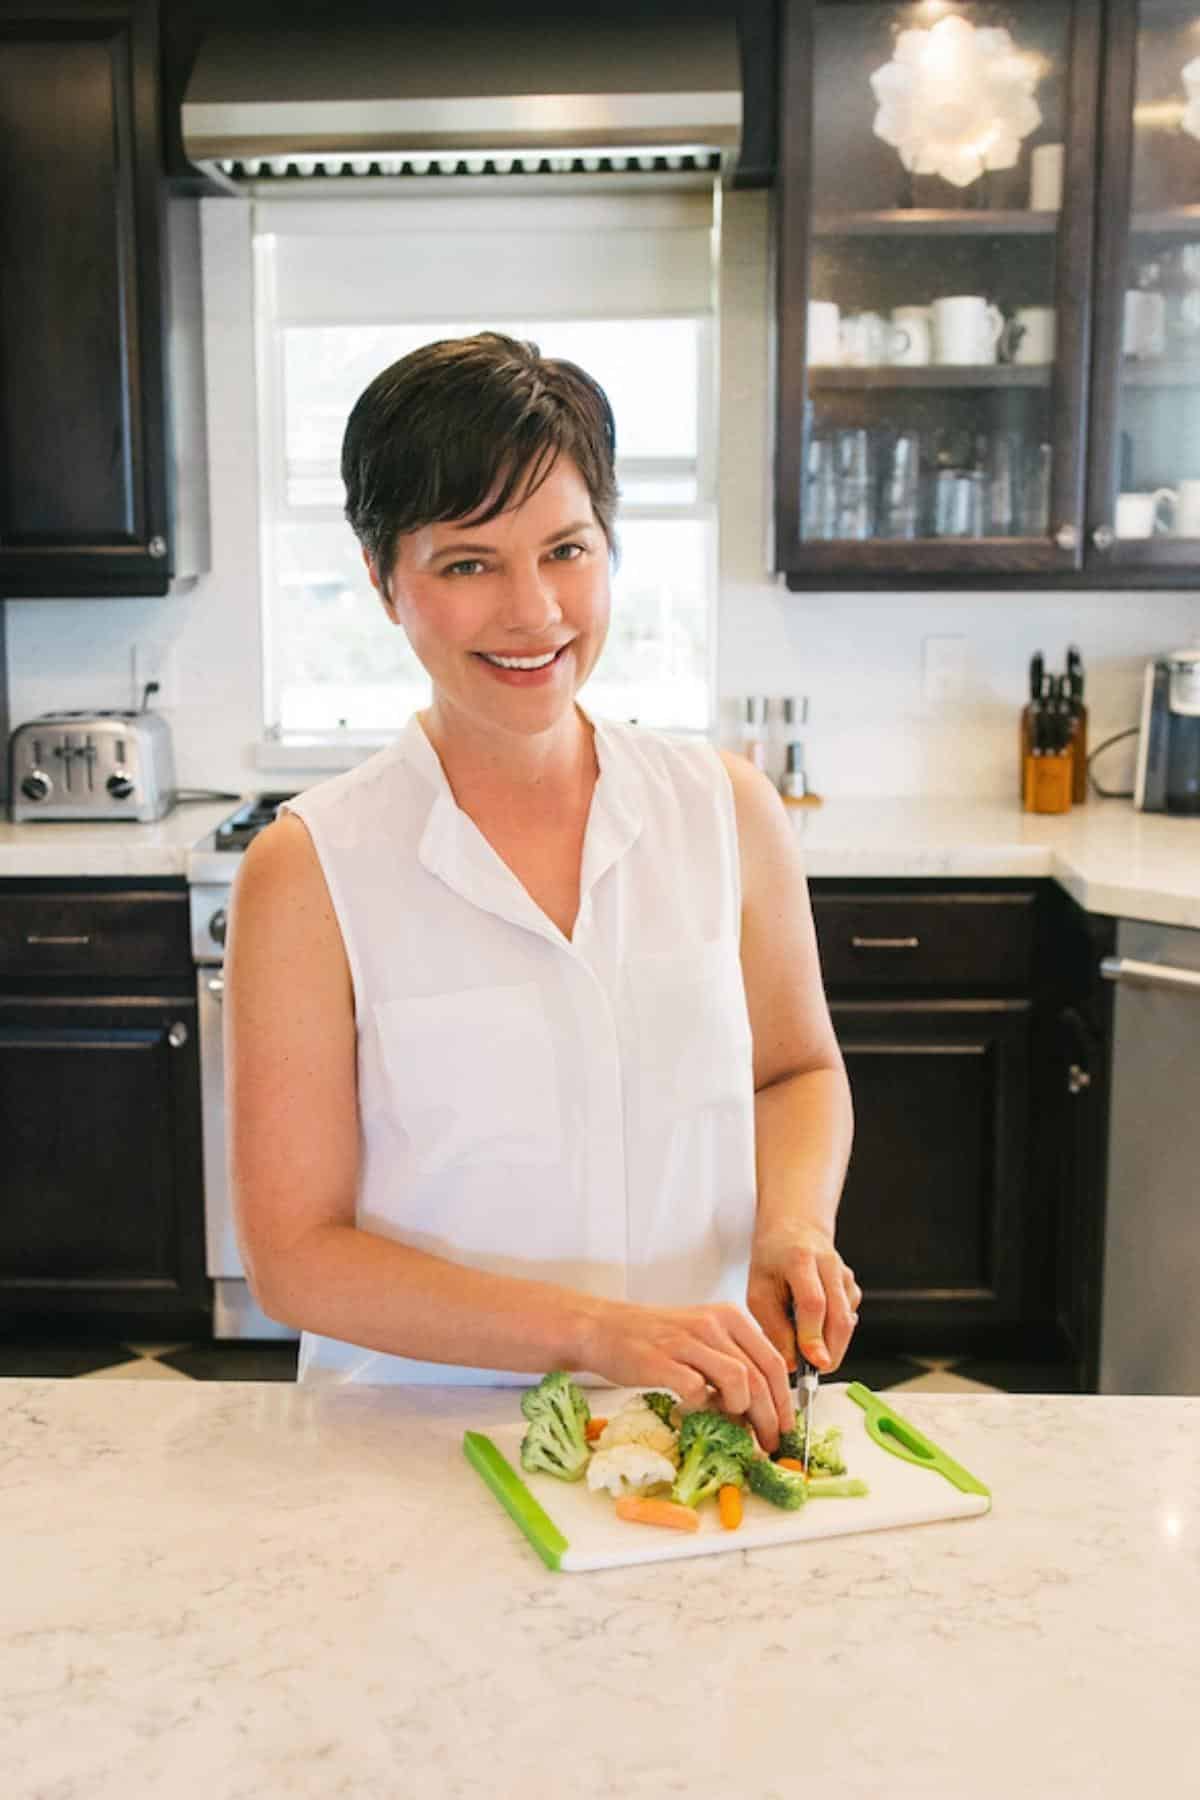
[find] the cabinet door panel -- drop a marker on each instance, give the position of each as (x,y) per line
(98,1117)
(66,235)
(931,1215)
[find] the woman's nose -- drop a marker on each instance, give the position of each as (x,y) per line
(531,599)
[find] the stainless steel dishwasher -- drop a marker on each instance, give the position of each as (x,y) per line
(1150,1312)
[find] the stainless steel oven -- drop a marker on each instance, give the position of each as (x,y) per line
(213,867)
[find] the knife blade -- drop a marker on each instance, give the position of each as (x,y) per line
(807,1380)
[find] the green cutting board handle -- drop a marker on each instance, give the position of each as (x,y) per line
(516,1499)
(899,1438)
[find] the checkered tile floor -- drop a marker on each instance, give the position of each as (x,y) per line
(277,1362)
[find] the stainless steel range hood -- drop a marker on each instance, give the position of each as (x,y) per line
(593,84)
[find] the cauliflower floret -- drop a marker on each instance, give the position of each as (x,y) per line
(629,1469)
(637,1423)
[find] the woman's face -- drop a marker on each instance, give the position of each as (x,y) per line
(530,584)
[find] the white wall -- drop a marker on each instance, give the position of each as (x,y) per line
(857,656)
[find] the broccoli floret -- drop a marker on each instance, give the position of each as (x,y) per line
(713,1453)
(556,1442)
(824,1452)
(782,1487)
(663,1404)
(835,1487)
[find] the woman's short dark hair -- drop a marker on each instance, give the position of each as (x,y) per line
(465,428)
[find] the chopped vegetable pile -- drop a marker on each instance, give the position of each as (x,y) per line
(660,1464)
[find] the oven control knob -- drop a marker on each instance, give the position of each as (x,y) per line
(216,926)
(36,785)
(120,784)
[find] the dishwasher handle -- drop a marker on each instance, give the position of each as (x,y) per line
(1149,974)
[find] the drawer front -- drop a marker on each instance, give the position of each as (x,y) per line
(925,940)
(94,935)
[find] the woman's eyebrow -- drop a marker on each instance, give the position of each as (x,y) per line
(463,548)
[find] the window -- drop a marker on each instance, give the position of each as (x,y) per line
(619,283)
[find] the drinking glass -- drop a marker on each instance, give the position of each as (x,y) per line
(855,512)
(819,502)
(900,495)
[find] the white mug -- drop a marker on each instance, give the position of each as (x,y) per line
(911,342)
(1035,341)
(1187,522)
(1141,515)
(1046,177)
(824,332)
(864,339)
(966,329)
(1145,333)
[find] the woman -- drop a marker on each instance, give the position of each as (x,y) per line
(530,1063)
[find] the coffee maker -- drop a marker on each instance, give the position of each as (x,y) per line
(1168,757)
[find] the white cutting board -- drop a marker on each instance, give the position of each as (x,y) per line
(901,1493)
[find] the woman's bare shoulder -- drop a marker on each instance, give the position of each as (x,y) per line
(280,897)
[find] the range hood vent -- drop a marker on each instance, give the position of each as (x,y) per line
(614,88)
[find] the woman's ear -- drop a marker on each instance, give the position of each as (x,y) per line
(379,584)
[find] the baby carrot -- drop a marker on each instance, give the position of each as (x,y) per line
(642,1509)
(729,1505)
(790,1462)
(593,1428)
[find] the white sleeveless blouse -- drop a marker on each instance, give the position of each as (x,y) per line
(577,1110)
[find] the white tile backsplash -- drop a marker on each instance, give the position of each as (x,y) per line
(858,657)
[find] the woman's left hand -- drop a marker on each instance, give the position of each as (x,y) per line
(799,1267)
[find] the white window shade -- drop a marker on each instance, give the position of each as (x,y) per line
(621,284)
(580,256)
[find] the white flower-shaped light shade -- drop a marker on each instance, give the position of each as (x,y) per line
(956,100)
(1190,76)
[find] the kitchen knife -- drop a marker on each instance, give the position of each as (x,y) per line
(803,1376)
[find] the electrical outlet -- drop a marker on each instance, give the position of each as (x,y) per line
(944,669)
(151,662)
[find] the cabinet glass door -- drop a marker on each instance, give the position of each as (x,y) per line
(1144,503)
(937,187)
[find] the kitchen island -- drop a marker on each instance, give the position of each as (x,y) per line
(223,1590)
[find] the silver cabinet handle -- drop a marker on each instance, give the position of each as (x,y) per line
(1148,974)
(1104,537)
(1066,537)
(177,1034)
(885,943)
(216,986)
(36,937)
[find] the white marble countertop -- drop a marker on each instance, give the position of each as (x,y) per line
(109,846)
(234,1590)
(1109,857)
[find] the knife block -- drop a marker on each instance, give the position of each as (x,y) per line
(1046,786)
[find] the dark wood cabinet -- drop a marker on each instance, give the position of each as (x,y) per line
(932,995)
(919,445)
(101,1198)
(102,465)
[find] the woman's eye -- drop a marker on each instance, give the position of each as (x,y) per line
(470,565)
(566,552)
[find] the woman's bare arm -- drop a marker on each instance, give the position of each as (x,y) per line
(290,1061)
(803,1115)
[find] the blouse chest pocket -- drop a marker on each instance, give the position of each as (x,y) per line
(473,1078)
(691,1025)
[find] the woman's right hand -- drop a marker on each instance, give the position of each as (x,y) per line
(693,1350)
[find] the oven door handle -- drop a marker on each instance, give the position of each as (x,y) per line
(1148,974)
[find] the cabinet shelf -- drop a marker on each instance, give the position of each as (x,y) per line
(926,221)
(934,375)
(1160,375)
(1171,221)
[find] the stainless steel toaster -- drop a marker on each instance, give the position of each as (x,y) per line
(91,765)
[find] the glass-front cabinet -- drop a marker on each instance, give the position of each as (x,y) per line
(989,292)
(1144,491)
